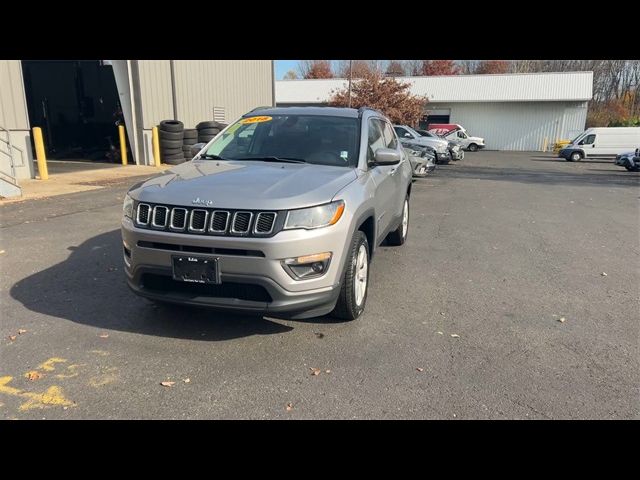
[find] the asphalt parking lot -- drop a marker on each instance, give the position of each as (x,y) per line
(463,322)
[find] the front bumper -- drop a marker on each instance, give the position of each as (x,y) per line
(253,282)
(457,155)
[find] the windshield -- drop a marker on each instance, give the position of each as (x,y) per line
(413,131)
(318,139)
(575,140)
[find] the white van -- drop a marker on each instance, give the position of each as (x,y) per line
(601,142)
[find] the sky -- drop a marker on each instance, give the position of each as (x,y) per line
(283,66)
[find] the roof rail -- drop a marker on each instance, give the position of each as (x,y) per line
(261,108)
(362,109)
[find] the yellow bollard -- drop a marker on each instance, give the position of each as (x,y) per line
(40,153)
(123,144)
(155,139)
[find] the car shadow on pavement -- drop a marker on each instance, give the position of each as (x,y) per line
(89,288)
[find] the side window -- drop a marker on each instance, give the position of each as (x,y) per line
(389,137)
(589,139)
(376,138)
(401,132)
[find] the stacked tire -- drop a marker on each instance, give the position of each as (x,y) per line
(190,138)
(208,130)
(171,134)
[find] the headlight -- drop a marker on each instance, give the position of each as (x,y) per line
(416,153)
(127,206)
(441,148)
(315,217)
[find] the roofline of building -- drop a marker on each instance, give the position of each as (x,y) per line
(444,76)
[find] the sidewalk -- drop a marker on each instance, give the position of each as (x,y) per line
(71,177)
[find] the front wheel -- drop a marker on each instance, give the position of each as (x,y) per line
(353,293)
(575,157)
(473,147)
(399,235)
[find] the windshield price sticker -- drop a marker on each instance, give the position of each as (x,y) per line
(256,120)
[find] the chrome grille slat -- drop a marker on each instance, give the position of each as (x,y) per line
(178,213)
(241,222)
(198,220)
(142,216)
(159,212)
(265,222)
(219,221)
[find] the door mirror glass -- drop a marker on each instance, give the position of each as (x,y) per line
(407,135)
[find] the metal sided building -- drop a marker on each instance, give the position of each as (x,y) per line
(76,103)
(510,111)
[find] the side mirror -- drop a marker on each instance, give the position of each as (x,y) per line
(387,156)
(407,135)
(195,148)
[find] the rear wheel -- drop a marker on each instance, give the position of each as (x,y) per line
(353,292)
(399,235)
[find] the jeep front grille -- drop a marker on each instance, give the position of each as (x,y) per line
(241,222)
(178,218)
(264,222)
(219,221)
(208,221)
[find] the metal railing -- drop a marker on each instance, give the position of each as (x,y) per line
(10,176)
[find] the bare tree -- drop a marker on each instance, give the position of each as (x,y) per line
(315,69)
(290,75)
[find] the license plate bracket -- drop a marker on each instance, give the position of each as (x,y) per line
(195,269)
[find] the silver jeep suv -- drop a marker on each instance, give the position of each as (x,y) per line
(280,214)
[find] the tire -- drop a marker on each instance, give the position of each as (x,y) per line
(574,157)
(205,138)
(473,147)
(170,143)
(190,133)
(347,306)
(170,135)
(170,151)
(206,125)
(190,141)
(208,131)
(399,235)
(171,125)
(173,159)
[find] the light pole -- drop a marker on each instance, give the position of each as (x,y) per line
(350,83)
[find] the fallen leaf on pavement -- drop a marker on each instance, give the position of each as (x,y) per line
(187,380)
(440,333)
(420,369)
(561,319)
(167,384)
(34,375)
(319,334)
(104,335)
(442,313)
(1,252)
(604,274)
(327,371)
(11,337)
(455,335)
(289,407)
(315,371)
(21,331)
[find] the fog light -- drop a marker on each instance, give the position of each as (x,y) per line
(307,266)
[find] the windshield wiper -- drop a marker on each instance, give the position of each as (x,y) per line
(273,159)
(211,157)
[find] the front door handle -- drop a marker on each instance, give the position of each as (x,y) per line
(393,171)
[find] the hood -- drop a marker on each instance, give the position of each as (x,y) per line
(248,185)
(429,141)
